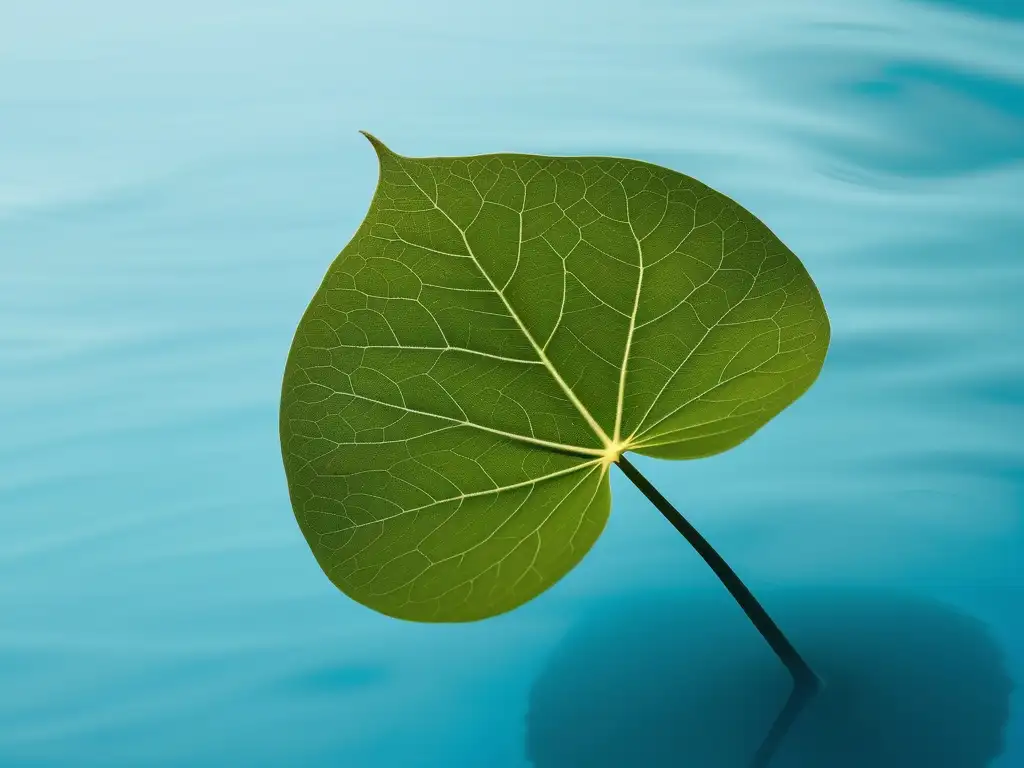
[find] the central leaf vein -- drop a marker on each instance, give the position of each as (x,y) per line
(541,354)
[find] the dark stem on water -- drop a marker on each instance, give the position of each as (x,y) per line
(805,682)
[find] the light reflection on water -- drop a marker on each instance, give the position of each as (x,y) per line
(175,182)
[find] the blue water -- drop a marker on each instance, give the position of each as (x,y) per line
(175,180)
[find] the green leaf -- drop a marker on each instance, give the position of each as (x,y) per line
(498,331)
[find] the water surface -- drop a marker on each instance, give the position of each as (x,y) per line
(174,181)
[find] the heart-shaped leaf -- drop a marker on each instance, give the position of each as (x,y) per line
(498,332)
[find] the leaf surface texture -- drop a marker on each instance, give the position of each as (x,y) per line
(498,331)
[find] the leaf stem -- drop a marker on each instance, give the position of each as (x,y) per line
(805,682)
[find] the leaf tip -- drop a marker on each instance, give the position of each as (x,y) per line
(378,145)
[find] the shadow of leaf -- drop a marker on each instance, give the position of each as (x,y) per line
(675,681)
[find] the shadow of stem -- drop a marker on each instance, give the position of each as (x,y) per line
(801,695)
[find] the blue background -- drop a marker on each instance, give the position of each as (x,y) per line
(175,180)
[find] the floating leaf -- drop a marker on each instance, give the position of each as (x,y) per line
(498,332)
